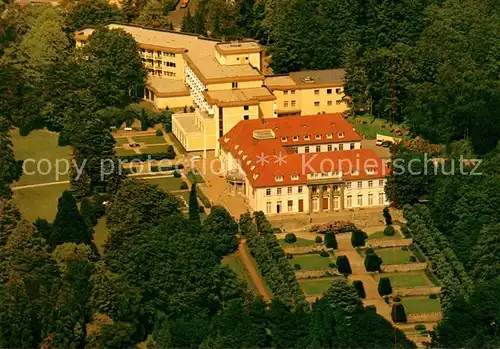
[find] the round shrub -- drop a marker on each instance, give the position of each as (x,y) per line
(387,216)
(358,285)
(372,262)
(398,313)
(330,240)
(332,265)
(389,230)
(177,174)
(384,286)
(420,327)
(290,238)
(318,239)
(297,266)
(289,256)
(413,259)
(343,265)
(433,296)
(396,299)
(159,132)
(202,209)
(404,248)
(184,186)
(324,254)
(358,238)
(369,250)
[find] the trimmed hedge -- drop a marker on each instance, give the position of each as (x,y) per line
(389,230)
(343,265)
(147,157)
(358,238)
(384,286)
(372,262)
(358,285)
(330,240)
(205,201)
(290,238)
(398,313)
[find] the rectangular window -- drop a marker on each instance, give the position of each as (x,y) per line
(370,199)
(292,92)
(268,207)
(285,93)
(235,85)
(314,189)
(299,189)
(290,205)
(306,149)
(341,147)
(348,185)
(352,146)
(285,104)
(289,190)
(316,92)
(245,117)
(370,184)
(268,192)
(295,150)
(349,201)
(330,147)
(360,185)
(381,183)
(329,91)
(329,103)
(338,91)
(318,149)
(293,103)
(360,200)
(316,104)
(246,107)
(278,191)
(338,102)
(381,198)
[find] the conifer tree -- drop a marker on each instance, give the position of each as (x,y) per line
(9,170)
(194,207)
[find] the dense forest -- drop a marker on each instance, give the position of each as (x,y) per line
(160,280)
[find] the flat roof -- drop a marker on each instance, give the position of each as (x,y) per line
(318,77)
(226,97)
(167,87)
(187,122)
(279,80)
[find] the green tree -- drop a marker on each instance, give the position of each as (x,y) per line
(112,67)
(221,228)
(154,15)
(358,285)
(330,240)
(384,286)
(343,265)
(398,313)
(372,261)
(358,238)
(92,13)
(9,168)
(69,226)
(194,207)
(87,212)
(187,23)
(387,216)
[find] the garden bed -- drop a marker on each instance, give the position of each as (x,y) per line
(311,261)
(299,242)
(417,305)
(394,256)
(316,286)
(408,280)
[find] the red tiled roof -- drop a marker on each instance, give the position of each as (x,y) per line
(260,159)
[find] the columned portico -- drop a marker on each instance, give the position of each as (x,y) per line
(326,197)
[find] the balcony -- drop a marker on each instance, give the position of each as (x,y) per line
(235,176)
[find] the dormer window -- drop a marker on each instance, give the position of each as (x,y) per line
(279,178)
(317,137)
(329,135)
(370,171)
(295,177)
(295,138)
(355,172)
(341,134)
(284,139)
(306,137)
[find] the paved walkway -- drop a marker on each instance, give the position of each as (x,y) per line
(38,185)
(254,274)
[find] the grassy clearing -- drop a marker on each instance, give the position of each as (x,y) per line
(408,280)
(149,139)
(299,242)
(121,141)
(234,262)
(39,202)
(316,286)
(101,234)
(380,235)
(165,183)
(417,305)
(40,145)
(394,256)
(311,261)
(372,126)
(154,149)
(124,152)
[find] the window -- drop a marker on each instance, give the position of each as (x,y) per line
(295,150)
(318,149)
(329,136)
(285,104)
(292,92)
(295,177)
(284,139)
(329,147)
(317,137)
(235,85)
(246,117)
(370,199)
(299,189)
(268,192)
(325,188)
(381,183)
(306,149)
(268,207)
(278,191)
(295,138)
(285,93)
(341,134)
(290,205)
(348,185)
(335,188)
(349,201)
(338,102)
(370,184)
(360,185)
(246,107)
(329,103)
(279,179)
(381,198)
(314,189)
(338,91)
(293,103)
(316,104)
(289,190)
(329,91)
(360,200)
(341,147)
(316,92)
(306,137)
(352,146)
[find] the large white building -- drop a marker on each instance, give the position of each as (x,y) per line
(302,164)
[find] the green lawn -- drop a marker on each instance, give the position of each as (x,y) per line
(394,256)
(41,146)
(39,202)
(149,139)
(194,177)
(407,280)
(316,286)
(124,152)
(154,149)
(101,233)
(372,127)
(165,183)
(380,235)
(121,141)
(234,262)
(311,261)
(299,242)
(417,305)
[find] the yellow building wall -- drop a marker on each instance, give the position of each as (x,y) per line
(266,109)
(253,59)
(173,102)
(328,103)
(229,85)
(231,116)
